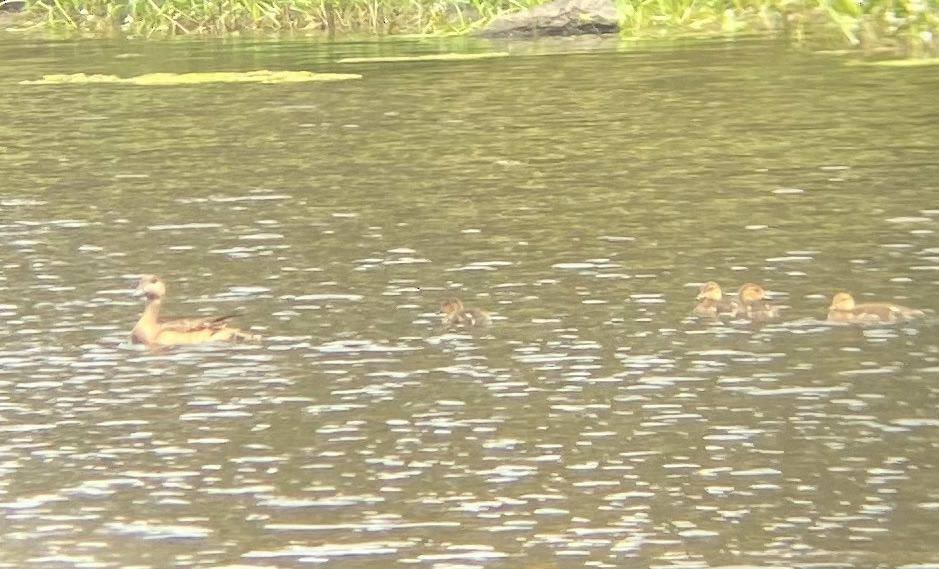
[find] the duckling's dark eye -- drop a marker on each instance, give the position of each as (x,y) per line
(154,280)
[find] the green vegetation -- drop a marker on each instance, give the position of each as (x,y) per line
(160,79)
(162,17)
(913,24)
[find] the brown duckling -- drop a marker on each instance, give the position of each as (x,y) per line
(751,304)
(150,330)
(844,309)
(711,301)
(454,314)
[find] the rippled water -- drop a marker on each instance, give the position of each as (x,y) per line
(579,191)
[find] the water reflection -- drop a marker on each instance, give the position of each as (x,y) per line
(582,199)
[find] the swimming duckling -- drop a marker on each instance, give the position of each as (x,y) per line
(153,332)
(843,309)
(455,315)
(712,302)
(751,304)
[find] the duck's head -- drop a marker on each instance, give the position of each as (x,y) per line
(751,292)
(842,301)
(451,305)
(710,291)
(150,286)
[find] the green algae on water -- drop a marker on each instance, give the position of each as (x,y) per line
(900,62)
(431,57)
(161,79)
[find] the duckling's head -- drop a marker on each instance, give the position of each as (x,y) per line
(842,301)
(751,292)
(451,305)
(151,286)
(710,291)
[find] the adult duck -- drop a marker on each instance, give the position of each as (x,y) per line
(844,309)
(152,331)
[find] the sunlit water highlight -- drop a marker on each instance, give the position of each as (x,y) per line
(581,198)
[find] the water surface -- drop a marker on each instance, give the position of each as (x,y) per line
(580,191)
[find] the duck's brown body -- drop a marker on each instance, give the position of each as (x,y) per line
(844,309)
(752,304)
(711,302)
(151,331)
(454,314)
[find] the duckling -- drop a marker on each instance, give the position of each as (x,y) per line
(455,315)
(153,332)
(712,302)
(843,309)
(751,304)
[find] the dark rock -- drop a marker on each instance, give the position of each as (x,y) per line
(560,17)
(13,6)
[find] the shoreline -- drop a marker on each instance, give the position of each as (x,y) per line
(918,38)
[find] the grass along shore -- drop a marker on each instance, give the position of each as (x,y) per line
(912,25)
